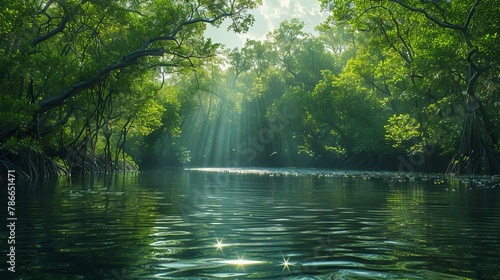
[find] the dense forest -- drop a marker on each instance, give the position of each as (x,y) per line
(104,86)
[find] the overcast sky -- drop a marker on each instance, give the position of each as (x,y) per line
(268,17)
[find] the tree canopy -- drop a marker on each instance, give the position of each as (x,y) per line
(74,72)
(109,85)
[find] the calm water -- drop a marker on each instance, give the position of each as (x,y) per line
(260,224)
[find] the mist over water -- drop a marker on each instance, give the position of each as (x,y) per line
(259,223)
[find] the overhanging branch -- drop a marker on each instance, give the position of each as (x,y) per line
(178,29)
(129,59)
(60,27)
(430,17)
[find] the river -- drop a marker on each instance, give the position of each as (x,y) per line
(209,223)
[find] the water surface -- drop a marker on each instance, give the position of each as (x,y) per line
(260,224)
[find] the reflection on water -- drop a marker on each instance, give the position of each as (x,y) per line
(261,223)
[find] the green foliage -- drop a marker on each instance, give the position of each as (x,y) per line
(108,80)
(78,79)
(430,60)
(15,113)
(15,144)
(403,131)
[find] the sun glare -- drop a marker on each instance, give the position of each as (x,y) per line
(219,244)
(286,264)
(241,262)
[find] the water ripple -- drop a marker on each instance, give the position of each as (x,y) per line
(261,224)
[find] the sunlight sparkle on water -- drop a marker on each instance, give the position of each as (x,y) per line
(286,264)
(241,262)
(219,244)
